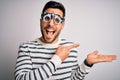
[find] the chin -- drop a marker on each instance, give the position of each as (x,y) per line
(50,41)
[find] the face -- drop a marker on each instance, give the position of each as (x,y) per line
(50,30)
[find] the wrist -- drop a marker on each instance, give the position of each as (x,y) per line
(87,64)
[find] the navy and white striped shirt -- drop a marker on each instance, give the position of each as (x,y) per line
(37,61)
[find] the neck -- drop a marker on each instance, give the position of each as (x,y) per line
(54,42)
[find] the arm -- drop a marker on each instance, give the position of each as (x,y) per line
(81,71)
(95,57)
(25,71)
(78,72)
(92,58)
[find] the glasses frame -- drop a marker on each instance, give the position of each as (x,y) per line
(52,16)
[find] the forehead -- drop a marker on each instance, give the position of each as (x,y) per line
(56,11)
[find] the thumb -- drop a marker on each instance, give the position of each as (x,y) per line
(95,52)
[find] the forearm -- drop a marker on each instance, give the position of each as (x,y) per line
(81,71)
(38,73)
(24,67)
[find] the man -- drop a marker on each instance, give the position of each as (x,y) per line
(50,57)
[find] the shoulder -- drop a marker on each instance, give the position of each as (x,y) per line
(29,43)
(66,42)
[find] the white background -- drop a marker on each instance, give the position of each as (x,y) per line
(95,24)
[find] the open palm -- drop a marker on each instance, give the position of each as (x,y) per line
(95,57)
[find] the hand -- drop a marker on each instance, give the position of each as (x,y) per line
(94,57)
(64,51)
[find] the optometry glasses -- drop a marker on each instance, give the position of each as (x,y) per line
(47,17)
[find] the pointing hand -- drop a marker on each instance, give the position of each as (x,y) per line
(64,51)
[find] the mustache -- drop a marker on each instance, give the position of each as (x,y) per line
(49,26)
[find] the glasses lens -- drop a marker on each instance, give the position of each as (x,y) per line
(57,19)
(47,17)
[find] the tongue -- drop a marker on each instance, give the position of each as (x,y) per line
(50,34)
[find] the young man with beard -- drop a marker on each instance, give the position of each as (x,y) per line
(50,57)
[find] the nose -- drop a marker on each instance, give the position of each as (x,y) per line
(51,22)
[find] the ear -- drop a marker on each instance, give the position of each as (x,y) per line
(40,21)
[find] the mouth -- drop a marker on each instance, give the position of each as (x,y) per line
(50,33)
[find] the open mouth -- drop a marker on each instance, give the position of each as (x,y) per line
(50,33)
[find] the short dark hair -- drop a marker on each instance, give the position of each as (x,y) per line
(54,4)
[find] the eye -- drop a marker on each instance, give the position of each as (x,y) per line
(57,20)
(47,18)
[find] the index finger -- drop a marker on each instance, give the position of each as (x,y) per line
(72,46)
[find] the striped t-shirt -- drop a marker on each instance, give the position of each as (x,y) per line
(37,61)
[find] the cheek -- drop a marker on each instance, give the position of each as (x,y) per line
(43,25)
(59,29)
(62,26)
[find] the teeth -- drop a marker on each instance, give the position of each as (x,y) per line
(50,30)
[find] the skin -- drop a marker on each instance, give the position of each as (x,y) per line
(50,35)
(50,26)
(94,57)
